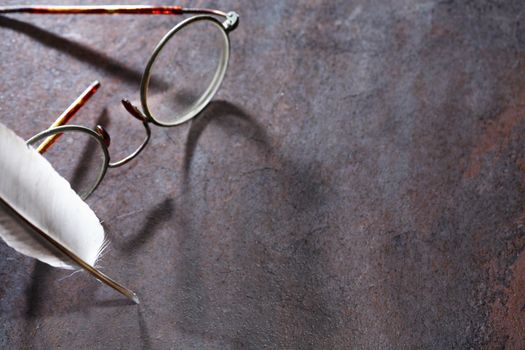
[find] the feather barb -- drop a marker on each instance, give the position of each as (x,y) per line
(75,258)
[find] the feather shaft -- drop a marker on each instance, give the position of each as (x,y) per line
(75,258)
(42,217)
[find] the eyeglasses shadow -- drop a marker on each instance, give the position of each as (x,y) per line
(161,213)
(225,115)
(80,52)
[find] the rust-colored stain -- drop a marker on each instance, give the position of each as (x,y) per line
(521,165)
(496,136)
(508,311)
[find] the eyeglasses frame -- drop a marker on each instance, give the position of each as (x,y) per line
(51,135)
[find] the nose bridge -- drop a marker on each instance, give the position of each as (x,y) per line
(136,113)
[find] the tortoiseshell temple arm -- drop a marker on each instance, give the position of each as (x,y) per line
(67,115)
(109,10)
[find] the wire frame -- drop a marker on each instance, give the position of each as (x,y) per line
(145,115)
(56,132)
(48,137)
(214,85)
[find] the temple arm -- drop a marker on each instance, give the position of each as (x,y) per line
(109,10)
(66,116)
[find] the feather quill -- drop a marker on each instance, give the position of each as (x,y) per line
(38,209)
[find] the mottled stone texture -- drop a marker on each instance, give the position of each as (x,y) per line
(357,183)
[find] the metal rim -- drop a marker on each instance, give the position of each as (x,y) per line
(206,97)
(75,128)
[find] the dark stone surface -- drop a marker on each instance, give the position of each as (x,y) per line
(357,183)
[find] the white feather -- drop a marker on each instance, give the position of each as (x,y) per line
(30,185)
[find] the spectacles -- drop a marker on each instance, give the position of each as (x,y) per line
(181,77)
(162,105)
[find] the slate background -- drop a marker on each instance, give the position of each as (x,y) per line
(357,183)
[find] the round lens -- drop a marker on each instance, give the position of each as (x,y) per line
(185,71)
(76,154)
